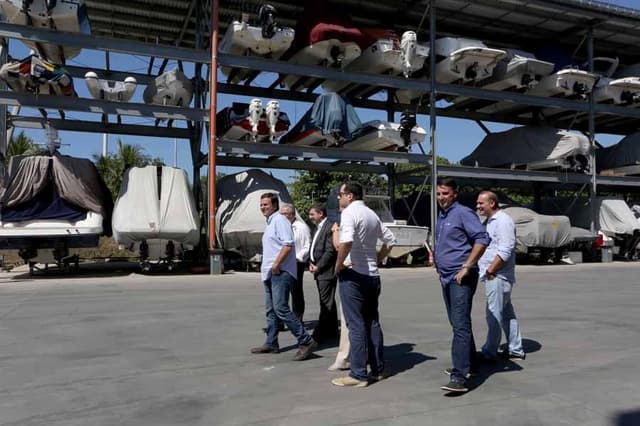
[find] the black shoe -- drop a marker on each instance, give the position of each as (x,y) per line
(455,387)
(264,349)
(448,372)
(305,351)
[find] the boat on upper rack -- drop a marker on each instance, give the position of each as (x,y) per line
(532,148)
(266,39)
(459,60)
(566,81)
(171,88)
(51,204)
(333,122)
(110,90)
(251,122)
(69,16)
(621,159)
(35,75)
(613,87)
(156,215)
(321,38)
(383,52)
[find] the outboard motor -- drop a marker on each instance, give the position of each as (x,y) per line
(267,19)
(170,250)
(337,55)
(144,250)
(580,90)
(255,111)
(472,72)
(273,113)
(628,98)
(408,49)
(407,122)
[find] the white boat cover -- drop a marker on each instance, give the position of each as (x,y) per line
(537,230)
(239,222)
(614,215)
(526,144)
(624,153)
(155,202)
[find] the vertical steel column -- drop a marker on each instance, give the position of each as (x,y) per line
(215,258)
(592,137)
(432,119)
(4,141)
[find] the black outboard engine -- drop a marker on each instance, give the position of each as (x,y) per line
(407,122)
(580,89)
(267,19)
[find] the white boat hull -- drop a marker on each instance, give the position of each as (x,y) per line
(408,239)
(110,90)
(385,136)
(92,224)
(382,57)
(243,39)
(172,88)
(567,83)
(323,52)
(620,91)
(67,16)
(519,73)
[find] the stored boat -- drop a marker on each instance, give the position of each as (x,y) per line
(35,75)
(172,88)
(110,90)
(379,135)
(251,122)
(621,159)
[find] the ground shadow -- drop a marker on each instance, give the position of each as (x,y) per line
(627,418)
(400,358)
(531,346)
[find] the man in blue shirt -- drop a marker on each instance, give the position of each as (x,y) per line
(497,271)
(460,241)
(278,273)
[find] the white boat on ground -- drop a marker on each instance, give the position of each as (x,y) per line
(172,88)
(68,16)
(389,55)
(459,60)
(110,90)
(266,39)
(51,205)
(156,214)
(251,122)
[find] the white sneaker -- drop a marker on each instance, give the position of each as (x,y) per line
(339,367)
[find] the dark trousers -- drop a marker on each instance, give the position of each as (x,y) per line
(458,298)
(297,292)
(359,295)
(327,327)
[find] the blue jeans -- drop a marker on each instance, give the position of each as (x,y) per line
(276,290)
(359,296)
(458,298)
(501,316)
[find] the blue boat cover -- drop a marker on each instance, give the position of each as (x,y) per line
(333,115)
(46,205)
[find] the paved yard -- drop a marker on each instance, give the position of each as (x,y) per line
(174,350)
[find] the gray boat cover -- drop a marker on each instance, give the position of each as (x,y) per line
(239,222)
(526,144)
(614,215)
(624,153)
(76,179)
(330,113)
(150,206)
(537,230)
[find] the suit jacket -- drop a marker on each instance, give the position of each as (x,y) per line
(324,253)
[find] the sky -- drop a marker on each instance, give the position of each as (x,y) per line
(455,138)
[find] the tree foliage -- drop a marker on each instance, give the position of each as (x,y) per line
(113,166)
(21,145)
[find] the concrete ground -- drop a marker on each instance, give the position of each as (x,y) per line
(126,349)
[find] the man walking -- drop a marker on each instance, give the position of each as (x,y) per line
(497,271)
(323,259)
(460,241)
(357,270)
(278,275)
(302,242)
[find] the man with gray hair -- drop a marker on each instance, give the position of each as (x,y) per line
(497,271)
(302,243)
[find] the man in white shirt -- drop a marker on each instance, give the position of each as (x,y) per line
(302,243)
(357,270)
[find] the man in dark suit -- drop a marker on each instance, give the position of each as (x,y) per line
(323,258)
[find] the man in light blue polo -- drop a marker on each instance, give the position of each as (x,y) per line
(278,272)
(497,271)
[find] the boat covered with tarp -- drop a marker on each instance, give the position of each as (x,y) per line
(622,158)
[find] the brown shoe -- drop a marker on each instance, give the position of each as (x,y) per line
(305,351)
(264,349)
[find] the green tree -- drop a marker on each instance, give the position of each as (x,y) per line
(21,145)
(313,187)
(113,166)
